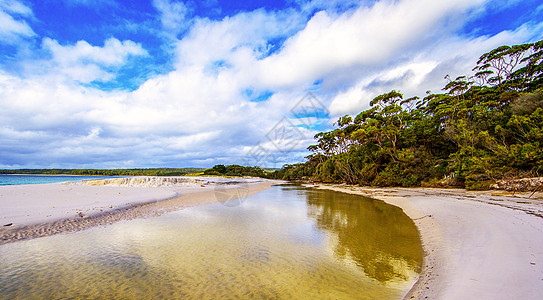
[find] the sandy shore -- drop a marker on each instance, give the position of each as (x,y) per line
(30,211)
(478,245)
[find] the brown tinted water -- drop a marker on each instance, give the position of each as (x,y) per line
(284,243)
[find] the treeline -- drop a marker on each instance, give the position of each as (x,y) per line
(235,170)
(108,172)
(219,170)
(482,128)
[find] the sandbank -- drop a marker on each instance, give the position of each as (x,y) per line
(30,211)
(478,245)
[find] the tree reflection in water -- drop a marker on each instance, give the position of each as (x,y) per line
(377,236)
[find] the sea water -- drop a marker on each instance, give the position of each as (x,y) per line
(39,179)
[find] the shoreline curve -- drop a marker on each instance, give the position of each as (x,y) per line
(477,244)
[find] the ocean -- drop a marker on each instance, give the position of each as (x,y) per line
(39,179)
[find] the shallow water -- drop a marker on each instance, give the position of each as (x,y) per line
(282,243)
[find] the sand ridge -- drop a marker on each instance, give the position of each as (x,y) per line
(45,209)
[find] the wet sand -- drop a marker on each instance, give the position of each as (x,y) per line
(30,211)
(478,245)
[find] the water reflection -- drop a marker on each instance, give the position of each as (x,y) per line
(285,243)
(378,237)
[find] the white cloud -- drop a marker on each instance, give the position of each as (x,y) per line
(452,56)
(12,25)
(83,62)
(210,41)
(15,7)
(114,52)
(365,37)
(173,15)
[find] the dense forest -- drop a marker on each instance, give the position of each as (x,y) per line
(481,128)
(108,172)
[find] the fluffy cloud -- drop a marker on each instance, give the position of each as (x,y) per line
(363,38)
(425,71)
(13,27)
(114,52)
(173,15)
(83,62)
(16,8)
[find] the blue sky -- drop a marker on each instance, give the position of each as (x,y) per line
(167,83)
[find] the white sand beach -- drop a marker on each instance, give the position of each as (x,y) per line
(478,245)
(28,211)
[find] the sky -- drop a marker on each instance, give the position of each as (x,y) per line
(168,83)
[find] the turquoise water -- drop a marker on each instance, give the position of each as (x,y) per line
(283,243)
(39,179)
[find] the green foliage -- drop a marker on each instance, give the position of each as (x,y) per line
(235,170)
(482,128)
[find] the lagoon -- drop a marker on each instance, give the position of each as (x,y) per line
(286,242)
